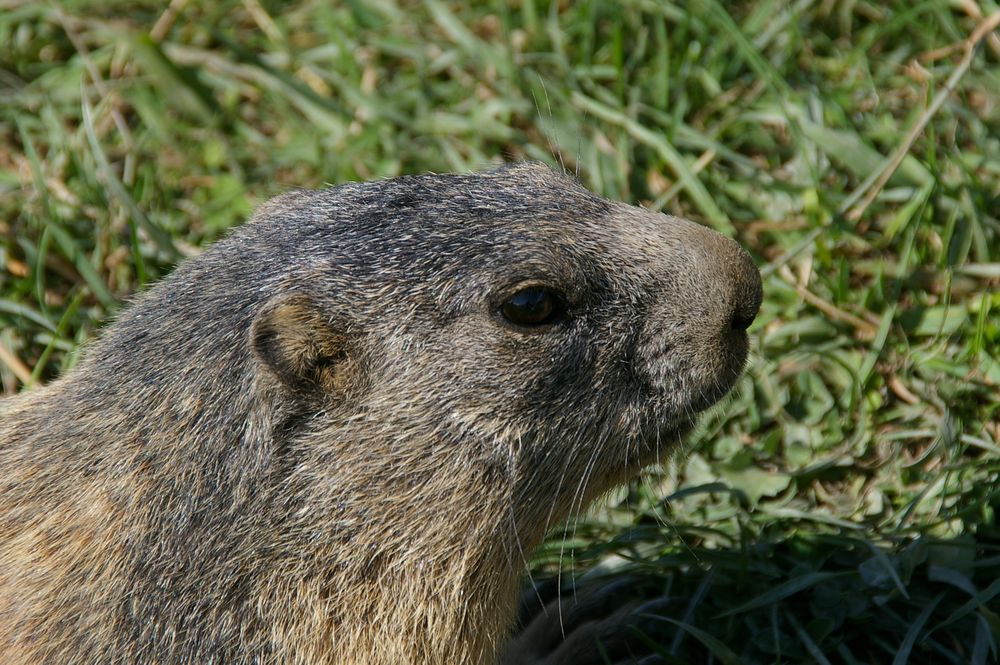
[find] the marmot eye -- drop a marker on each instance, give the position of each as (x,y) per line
(533,306)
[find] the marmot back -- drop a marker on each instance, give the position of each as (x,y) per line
(333,436)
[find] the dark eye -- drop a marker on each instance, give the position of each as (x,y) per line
(533,306)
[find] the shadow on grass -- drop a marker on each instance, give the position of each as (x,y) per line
(807,599)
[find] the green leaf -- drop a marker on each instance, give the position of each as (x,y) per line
(785,590)
(714,645)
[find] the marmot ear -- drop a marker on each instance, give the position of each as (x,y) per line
(293,339)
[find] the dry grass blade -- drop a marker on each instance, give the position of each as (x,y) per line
(987,26)
(15,365)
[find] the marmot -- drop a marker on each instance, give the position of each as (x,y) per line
(334,436)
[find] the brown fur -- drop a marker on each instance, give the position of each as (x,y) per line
(320,442)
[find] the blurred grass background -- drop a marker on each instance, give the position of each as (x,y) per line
(841,506)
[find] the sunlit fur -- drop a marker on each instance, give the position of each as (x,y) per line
(318,442)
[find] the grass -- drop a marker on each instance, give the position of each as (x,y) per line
(841,506)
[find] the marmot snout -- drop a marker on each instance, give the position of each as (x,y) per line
(333,436)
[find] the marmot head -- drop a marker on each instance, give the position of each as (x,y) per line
(509,319)
(333,435)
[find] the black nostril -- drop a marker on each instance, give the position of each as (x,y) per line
(741,320)
(749,293)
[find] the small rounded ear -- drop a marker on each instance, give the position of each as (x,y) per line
(292,338)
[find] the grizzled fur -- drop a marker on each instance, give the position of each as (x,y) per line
(320,442)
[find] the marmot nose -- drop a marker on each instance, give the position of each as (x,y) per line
(747,291)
